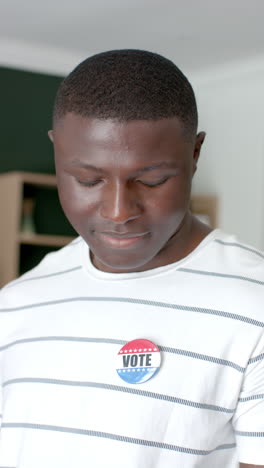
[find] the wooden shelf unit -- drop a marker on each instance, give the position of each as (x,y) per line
(205,206)
(11,206)
(44,239)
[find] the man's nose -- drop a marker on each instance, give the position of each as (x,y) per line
(120,203)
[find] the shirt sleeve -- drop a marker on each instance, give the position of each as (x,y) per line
(248,419)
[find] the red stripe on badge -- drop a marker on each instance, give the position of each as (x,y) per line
(139,346)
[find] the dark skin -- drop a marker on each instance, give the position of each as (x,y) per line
(139,184)
(245,465)
(126,180)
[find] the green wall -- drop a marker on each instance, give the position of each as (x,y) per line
(26,108)
(26,103)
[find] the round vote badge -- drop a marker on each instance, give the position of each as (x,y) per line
(138,361)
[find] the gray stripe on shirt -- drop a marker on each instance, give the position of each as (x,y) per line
(119,438)
(128,300)
(165,349)
(119,388)
(252,397)
(221,275)
(256,358)
(78,339)
(203,357)
(34,278)
(241,246)
(249,434)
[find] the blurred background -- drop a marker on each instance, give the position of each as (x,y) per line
(218,45)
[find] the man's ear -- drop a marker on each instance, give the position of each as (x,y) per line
(50,134)
(200,137)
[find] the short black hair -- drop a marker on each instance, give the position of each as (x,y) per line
(128,84)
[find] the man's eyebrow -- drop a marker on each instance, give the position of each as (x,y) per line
(153,167)
(83,165)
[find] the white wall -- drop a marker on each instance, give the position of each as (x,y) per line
(39,58)
(231,104)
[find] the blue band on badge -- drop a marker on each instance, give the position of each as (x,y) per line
(138,361)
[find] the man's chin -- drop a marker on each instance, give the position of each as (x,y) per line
(119,264)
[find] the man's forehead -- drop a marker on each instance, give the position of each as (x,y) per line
(103,131)
(137,146)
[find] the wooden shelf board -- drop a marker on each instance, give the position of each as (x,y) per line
(44,180)
(44,239)
(31,178)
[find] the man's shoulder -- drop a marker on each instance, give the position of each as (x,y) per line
(53,265)
(227,254)
(230,271)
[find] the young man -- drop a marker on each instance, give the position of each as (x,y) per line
(140,344)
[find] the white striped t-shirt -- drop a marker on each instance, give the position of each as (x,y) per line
(64,405)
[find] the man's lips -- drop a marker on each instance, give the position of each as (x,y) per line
(123,235)
(121,240)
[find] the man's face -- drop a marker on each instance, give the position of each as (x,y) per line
(125,187)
